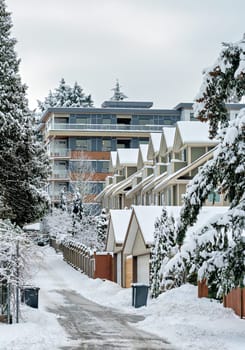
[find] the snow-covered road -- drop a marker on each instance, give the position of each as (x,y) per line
(98,327)
(67,297)
(89,324)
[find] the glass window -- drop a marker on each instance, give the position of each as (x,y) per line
(60,120)
(83,120)
(106,145)
(84,144)
(214,197)
(146,120)
(106,120)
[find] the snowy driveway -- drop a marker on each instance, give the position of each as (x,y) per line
(98,327)
(67,295)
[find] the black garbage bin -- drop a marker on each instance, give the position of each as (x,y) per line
(29,295)
(139,294)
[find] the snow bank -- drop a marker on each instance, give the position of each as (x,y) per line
(177,315)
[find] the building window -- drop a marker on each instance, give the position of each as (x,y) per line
(106,120)
(106,145)
(146,120)
(123,143)
(214,197)
(83,120)
(183,155)
(84,144)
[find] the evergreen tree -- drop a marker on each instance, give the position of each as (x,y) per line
(163,248)
(118,94)
(78,98)
(66,96)
(49,101)
(63,200)
(223,82)
(63,94)
(23,162)
(102,224)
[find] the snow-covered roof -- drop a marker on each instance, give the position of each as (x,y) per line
(192,132)
(120,220)
(113,159)
(143,151)
(146,217)
(156,139)
(168,134)
(127,156)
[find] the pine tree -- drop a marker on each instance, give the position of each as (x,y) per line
(23,162)
(102,224)
(78,98)
(223,82)
(63,94)
(164,247)
(118,94)
(49,101)
(66,96)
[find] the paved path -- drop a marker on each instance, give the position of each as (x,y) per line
(98,327)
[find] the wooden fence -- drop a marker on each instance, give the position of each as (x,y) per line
(236,300)
(94,265)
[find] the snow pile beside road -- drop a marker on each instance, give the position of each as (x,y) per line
(177,315)
(189,322)
(37,330)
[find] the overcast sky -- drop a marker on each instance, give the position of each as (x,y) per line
(156,48)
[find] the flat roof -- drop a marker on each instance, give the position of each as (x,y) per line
(127,104)
(122,111)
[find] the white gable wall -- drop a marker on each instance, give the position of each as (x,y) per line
(139,244)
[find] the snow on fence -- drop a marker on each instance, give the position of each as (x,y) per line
(82,258)
(236,300)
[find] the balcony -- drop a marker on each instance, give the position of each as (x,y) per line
(60,153)
(59,175)
(105,127)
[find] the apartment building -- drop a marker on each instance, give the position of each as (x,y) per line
(79,140)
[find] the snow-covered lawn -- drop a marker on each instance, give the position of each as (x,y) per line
(178,315)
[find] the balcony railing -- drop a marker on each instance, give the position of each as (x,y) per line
(60,153)
(106,127)
(59,174)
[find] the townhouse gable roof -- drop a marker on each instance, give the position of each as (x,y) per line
(142,156)
(154,145)
(127,157)
(191,133)
(145,216)
(113,161)
(167,140)
(117,228)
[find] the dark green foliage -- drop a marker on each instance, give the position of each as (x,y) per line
(220,261)
(23,163)
(66,96)
(162,250)
(102,225)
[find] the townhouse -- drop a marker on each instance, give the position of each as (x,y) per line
(165,168)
